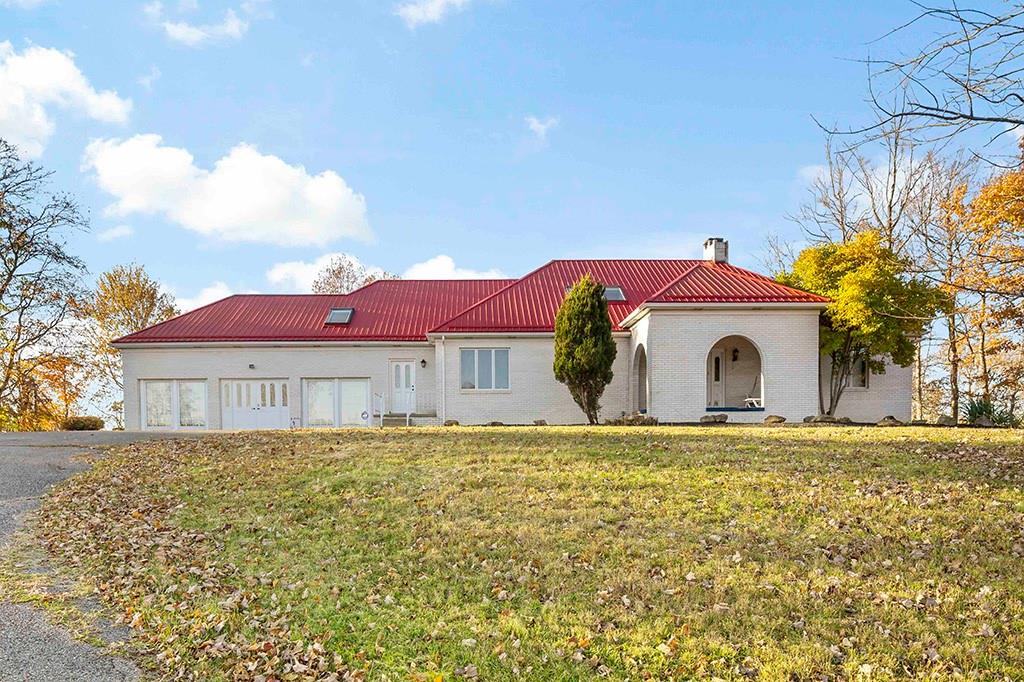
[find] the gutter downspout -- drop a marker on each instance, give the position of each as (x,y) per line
(444,402)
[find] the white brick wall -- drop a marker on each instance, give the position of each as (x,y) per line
(291,363)
(534,393)
(679,342)
(890,393)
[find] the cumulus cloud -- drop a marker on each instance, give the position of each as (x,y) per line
(232,26)
(246,197)
(205,296)
(37,80)
(443,267)
(541,128)
(299,275)
(116,232)
(418,12)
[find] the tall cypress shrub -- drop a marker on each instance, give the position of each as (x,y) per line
(584,347)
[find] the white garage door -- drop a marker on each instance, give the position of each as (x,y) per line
(255,404)
(336,402)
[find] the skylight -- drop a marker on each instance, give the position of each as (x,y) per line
(610,293)
(614,294)
(339,316)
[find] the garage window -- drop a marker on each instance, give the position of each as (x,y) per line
(174,404)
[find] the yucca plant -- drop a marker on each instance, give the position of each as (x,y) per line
(975,408)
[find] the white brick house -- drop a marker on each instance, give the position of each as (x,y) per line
(694,337)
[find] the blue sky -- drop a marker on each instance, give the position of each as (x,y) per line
(219,142)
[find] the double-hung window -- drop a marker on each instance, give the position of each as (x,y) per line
(859,373)
(174,404)
(484,369)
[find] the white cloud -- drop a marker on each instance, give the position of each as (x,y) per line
(205,296)
(246,197)
(443,267)
(541,128)
(418,12)
(21,4)
(149,78)
(298,275)
(232,26)
(116,232)
(38,79)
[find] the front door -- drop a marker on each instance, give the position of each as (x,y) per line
(255,404)
(403,386)
(716,378)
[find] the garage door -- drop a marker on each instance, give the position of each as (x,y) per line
(336,402)
(255,404)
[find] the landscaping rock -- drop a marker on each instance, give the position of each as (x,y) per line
(889,420)
(714,419)
(495,424)
(823,419)
(539,422)
(946,420)
(982,421)
(774,419)
(451,422)
(844,420)
(808,419)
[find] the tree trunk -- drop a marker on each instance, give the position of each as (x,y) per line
(986,386)
(954,367)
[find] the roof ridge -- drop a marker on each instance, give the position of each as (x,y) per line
(671,284)
(757,276)
(511,284)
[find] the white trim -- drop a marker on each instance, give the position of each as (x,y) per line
(510,335)
(643,308)
(178,345)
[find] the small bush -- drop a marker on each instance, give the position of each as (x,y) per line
(980,411)
(83,423)
(636,419)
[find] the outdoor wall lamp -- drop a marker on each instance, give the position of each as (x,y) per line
(252,365)
(735,354)
(423,363)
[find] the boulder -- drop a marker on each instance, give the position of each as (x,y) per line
(889,420)
(982,420)
(844,420)
(714,419)
(824,419)
(774,419)
(495,424)
(451,422)
(946,420)
(539,422)
(808,419)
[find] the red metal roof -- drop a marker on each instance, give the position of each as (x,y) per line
(406,310)
(531,303)
(386,310)
(722,283)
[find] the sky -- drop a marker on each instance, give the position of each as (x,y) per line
(234,146)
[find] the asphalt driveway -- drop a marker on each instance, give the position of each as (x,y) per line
(30,647)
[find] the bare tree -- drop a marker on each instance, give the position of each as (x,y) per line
(344,274)
(38,277)
(968,75)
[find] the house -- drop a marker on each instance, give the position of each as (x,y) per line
(693,337)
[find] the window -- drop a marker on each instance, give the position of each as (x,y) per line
(337,402)
(484,369)
(174,404)
(339,316)
(859,374)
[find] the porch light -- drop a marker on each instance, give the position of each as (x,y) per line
(423,363)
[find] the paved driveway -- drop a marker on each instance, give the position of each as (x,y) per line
(30,647)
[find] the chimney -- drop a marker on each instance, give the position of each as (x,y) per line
(716,250)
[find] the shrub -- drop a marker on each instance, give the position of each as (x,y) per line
(82,423)
(584,347)
(980,409)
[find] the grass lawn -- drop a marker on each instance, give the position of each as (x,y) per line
(560,553)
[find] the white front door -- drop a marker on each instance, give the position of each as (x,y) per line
(403,386)
(255,404)
(716,378)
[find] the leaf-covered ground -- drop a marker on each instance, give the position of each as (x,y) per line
(560,553)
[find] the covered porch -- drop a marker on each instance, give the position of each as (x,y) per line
(735,376)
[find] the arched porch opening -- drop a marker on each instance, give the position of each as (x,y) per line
(640,389)
(735,375)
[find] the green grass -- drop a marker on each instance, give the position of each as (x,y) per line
(561,553)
